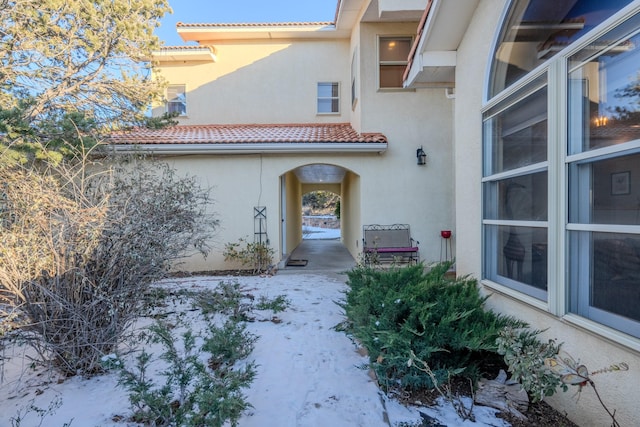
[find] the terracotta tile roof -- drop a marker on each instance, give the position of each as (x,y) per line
(254,134)
(416,41)
(252,24)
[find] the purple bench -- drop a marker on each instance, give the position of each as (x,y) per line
(389,243)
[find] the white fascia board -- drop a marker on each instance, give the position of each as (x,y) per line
(179,149)
(394,6)
(203,54)
(438,59)
(429,59)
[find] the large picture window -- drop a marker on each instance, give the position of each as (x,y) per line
(561,160)
(604,179)
(536,30)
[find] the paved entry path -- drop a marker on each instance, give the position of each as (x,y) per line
(309,374)
(323,256)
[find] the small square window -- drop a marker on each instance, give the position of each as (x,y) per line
(177,100)
(328,98)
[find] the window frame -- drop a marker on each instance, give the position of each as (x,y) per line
(333,99)
(559,158)
(504,284)
(170,102)
(354,79)
(382,63)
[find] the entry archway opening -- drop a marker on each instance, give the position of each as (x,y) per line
(320,215)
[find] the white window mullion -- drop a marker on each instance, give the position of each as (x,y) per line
(557,280)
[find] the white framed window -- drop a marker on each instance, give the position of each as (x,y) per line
(561,164)
(354,81)
(328,98)
(393,57)
(515,190)
(177,99)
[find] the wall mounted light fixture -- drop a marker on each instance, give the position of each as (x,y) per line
(421,156)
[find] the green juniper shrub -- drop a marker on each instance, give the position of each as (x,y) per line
(194,392)
(442,321)
(278,304)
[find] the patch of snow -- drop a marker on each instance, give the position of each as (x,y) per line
(308,374)
(314,233)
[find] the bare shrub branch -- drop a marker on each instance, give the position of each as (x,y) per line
(80,243)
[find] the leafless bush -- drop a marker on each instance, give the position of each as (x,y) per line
(78,249)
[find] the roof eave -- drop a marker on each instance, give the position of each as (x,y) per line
(204,54)
(244,148)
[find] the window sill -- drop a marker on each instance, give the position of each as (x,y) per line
(394,89)
(602,331)
(328,114)
(512,293)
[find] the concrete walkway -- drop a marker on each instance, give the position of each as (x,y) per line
(323,256)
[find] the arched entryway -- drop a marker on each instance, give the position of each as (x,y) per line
(319,177)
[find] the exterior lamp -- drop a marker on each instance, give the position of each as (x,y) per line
(421,156)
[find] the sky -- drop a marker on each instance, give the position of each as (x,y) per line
(242,11)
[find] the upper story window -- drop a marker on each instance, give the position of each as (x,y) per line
(177,99)
(328,98)
(393,54)
(354,82)
(536,30)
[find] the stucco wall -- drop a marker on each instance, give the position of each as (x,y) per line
(263,82)
(400,191)
(275,82)
(293,220)
(619,390)
(351,213)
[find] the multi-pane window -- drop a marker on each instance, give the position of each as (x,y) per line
(177,100)
(561,160)
(328,98)
(603,158)
(394,56)
(515,191)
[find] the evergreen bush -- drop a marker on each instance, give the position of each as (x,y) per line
(403,311)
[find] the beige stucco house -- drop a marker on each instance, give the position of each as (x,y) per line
(528,111)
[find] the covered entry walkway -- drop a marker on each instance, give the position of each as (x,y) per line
(322,256)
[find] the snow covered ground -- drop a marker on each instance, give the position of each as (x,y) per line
(311,233)
(308,374)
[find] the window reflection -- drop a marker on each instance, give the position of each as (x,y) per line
(522,258)
(519,134)
(537,29)
(613,278)
(614,188)
(604,94)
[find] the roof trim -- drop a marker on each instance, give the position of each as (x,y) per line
(260,148)
(180,53)
(254,24)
